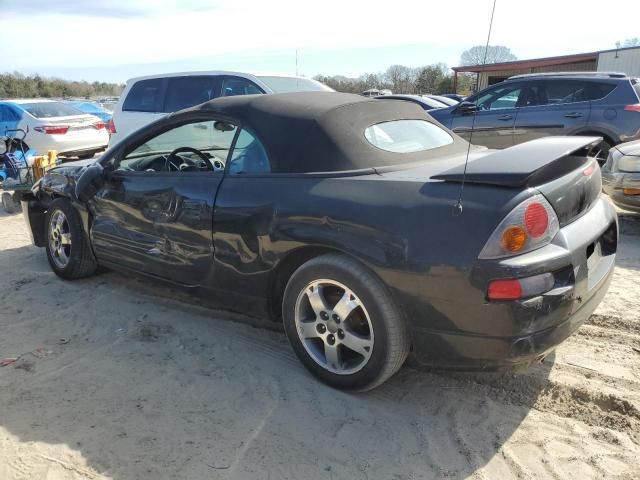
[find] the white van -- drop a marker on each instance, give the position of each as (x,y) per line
(149,98)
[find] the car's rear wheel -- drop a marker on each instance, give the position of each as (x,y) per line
(343,324)
(68,251)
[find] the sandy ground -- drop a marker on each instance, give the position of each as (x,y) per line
(114,380)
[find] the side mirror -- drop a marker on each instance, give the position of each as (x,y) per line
(466,108)
(89,182)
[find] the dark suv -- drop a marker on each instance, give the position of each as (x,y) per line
(525,107)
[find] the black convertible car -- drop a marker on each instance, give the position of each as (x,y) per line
(340,216)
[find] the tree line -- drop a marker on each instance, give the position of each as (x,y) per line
(432,79)
(17,85)
(429,79)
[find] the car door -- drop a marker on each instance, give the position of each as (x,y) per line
(552,107)
(154,213)
(494,120)
(8,119)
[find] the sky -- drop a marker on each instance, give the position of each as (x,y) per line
(115,40)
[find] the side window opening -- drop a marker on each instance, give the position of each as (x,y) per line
(500,98)
(249,155)
(566,91)
(598,91)
(232,86)
(145,96)
(201,146)
(185,92)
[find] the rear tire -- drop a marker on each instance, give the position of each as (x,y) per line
(343,324)
(68,250)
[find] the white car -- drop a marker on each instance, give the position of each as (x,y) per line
(149,98)
(52,125)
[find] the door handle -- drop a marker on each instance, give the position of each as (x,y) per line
(573,115)
(200,126)
(504,118)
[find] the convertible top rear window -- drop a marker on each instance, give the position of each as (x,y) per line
(407,136)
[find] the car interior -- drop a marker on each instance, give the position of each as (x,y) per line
(198,147)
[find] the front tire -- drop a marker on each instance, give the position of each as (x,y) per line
(68,250)
(343,324)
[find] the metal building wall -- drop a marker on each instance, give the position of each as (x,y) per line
(624,61)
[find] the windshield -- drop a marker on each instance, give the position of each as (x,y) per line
(50,109)
(294,84)
(407,136)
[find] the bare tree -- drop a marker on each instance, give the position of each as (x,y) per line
(495,54)
(629,42)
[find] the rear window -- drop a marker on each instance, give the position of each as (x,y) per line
(294,84)
(144,96)
(184,92)
(407,136)
(600,90)
(50,109)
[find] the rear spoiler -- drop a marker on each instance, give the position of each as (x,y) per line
(525,165)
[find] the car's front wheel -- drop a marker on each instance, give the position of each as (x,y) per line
(343,324)
(68,251)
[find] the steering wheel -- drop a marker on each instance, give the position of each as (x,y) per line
(202,156)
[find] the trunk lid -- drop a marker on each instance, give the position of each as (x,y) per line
(558,167)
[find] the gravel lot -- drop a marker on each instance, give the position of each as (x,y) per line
(119,379)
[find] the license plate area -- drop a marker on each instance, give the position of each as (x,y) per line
(604,248)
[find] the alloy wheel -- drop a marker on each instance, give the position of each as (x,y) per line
(59,239)
(334,326)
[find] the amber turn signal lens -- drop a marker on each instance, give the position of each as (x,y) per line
(631,191)
(514,239)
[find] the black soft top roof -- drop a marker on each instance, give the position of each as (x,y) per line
(306,132)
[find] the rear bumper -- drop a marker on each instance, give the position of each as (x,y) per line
(69,144)
(614,183)
(582,258)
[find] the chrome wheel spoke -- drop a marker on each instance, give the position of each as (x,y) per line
(346,305)
(308,330)
(65,239)
(316,299)
(360,345)
(332,355)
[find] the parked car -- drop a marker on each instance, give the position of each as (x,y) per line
(454,96)
(426,103)
(621,175)
(442,99)
(52,125)
(92,108)
(334,214)
(146,99)
(526,107)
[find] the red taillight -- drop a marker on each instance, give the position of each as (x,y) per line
(98,125)
(111,126)
(536,219)
(53,129)
(633,108)
(504,290)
